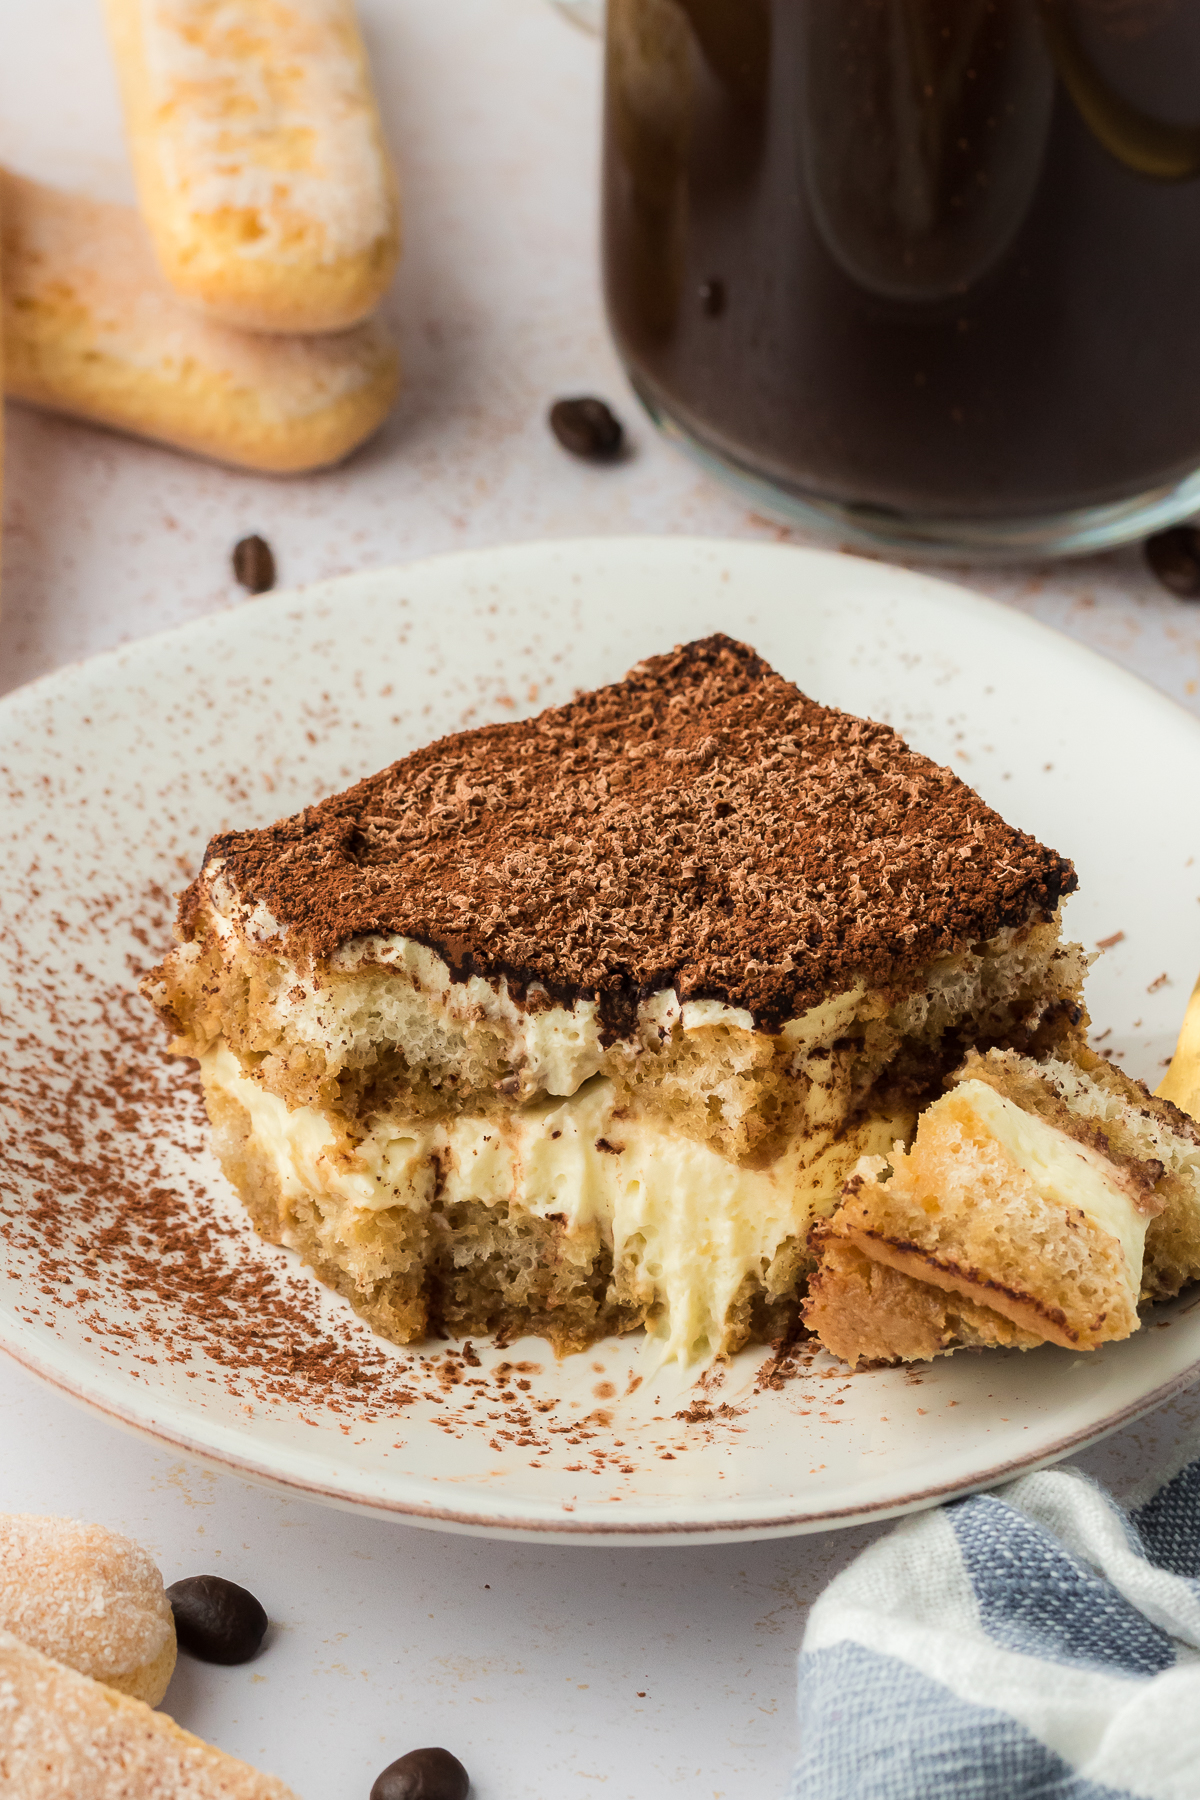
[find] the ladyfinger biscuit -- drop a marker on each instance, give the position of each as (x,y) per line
(92,329)
(66,1737)
(259,157)
(89,1598)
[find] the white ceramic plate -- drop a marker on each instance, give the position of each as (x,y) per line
(115,773)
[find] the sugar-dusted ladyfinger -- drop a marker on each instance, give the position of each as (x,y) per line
(259,158)
(92,329)
(64,1736)
(89,1598)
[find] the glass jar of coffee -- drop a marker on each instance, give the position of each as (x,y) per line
(923,271)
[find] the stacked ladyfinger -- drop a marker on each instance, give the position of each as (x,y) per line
(232,317)
(87,1646)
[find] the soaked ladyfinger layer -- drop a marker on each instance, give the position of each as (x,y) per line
(66,1737)
(91,329)
(259,157)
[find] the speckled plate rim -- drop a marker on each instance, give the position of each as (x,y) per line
(648,1535)
(1177,1364)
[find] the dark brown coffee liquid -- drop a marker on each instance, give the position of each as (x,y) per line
(937,256)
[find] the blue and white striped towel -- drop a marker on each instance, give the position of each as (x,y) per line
(1035,1642)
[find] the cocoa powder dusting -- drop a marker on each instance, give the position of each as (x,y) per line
(102,1217)
(701,825)
(791,1355)
(193,1284)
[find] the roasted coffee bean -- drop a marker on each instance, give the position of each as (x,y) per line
(1174,556)
(712,297)
(254,565)
(587,427)
(423,1775)
(216,1620)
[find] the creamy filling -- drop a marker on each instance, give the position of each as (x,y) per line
(689,1224)
(1065,1172)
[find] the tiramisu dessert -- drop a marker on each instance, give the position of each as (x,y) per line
(577,1024)
(1039,1202)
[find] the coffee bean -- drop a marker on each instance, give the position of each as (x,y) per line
(712,297)
(1174,556)
(423,1775)
(253,564)
(587,427)
(216,1620)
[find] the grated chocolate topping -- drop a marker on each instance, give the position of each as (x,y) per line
(701,825)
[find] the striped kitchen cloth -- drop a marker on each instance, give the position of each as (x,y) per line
(1033,1642)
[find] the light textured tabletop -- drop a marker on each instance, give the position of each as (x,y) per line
(550,1672)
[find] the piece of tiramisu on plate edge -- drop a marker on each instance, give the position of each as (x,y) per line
(1039,1202)
(579,1023)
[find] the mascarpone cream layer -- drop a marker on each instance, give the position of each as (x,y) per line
(691,1223)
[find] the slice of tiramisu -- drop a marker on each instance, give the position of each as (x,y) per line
(575,1024)
(1040,1202)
